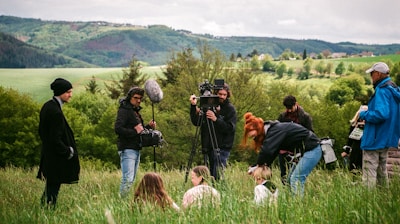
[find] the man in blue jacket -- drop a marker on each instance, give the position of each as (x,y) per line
(382,129)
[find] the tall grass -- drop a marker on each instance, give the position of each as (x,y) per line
(330,197)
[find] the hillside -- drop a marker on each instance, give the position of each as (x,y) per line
(113,45)
(17,54)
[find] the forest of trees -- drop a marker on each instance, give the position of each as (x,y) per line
(92,114)
(17,54)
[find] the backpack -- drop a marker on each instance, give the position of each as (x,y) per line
(327,150)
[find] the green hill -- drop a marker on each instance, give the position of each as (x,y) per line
(17,54)
(113,45)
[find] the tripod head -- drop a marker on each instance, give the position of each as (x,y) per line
(209,100)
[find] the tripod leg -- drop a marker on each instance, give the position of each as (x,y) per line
(217,165)
(194,146)
(206,160)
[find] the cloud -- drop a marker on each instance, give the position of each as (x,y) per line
(287,22)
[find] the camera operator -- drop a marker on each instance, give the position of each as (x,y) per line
(223,119)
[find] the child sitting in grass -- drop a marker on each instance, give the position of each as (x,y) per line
(151,191)
(265,191)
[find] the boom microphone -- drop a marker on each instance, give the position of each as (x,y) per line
(153,90)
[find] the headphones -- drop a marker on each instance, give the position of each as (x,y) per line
(134,90)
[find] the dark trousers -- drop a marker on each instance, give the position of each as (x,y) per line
(217,161)
(50,194)
(355,156)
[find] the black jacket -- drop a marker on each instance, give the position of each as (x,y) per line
(224,126)
(287,136)
(57,138)
(127,118)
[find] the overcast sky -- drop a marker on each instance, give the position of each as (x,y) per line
(358,21)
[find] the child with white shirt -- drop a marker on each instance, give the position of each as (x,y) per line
(265,191)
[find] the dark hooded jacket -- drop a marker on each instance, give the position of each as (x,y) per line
(287,136)
(127,118)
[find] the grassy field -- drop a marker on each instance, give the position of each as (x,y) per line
(331,197)
(36,82)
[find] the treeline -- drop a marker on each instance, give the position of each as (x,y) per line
(17,54)
(92,114)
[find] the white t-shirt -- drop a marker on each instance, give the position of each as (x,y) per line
(200,194)
(262,194)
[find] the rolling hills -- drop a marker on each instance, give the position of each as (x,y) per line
(103,44)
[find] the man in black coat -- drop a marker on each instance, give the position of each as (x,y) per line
(59,162)
(220,124)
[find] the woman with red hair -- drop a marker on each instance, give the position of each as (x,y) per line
(271,136)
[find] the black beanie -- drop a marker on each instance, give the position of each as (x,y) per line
(60,86)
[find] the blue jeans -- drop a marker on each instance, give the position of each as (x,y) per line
(130,160)
(306,164)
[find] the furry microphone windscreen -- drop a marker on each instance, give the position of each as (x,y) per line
(153,90)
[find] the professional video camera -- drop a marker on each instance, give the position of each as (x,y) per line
(208,99)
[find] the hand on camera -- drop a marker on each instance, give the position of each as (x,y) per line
(139,128)
(193,99)
(211,115)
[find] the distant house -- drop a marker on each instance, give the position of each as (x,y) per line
(313,55)
(338,55)
(367,54)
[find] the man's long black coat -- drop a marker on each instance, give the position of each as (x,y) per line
(57,138)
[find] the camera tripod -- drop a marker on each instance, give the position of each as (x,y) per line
(217,163)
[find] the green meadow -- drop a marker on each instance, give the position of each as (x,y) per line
(36,82)
(330,197)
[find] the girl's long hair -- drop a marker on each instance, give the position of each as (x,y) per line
(151,190)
